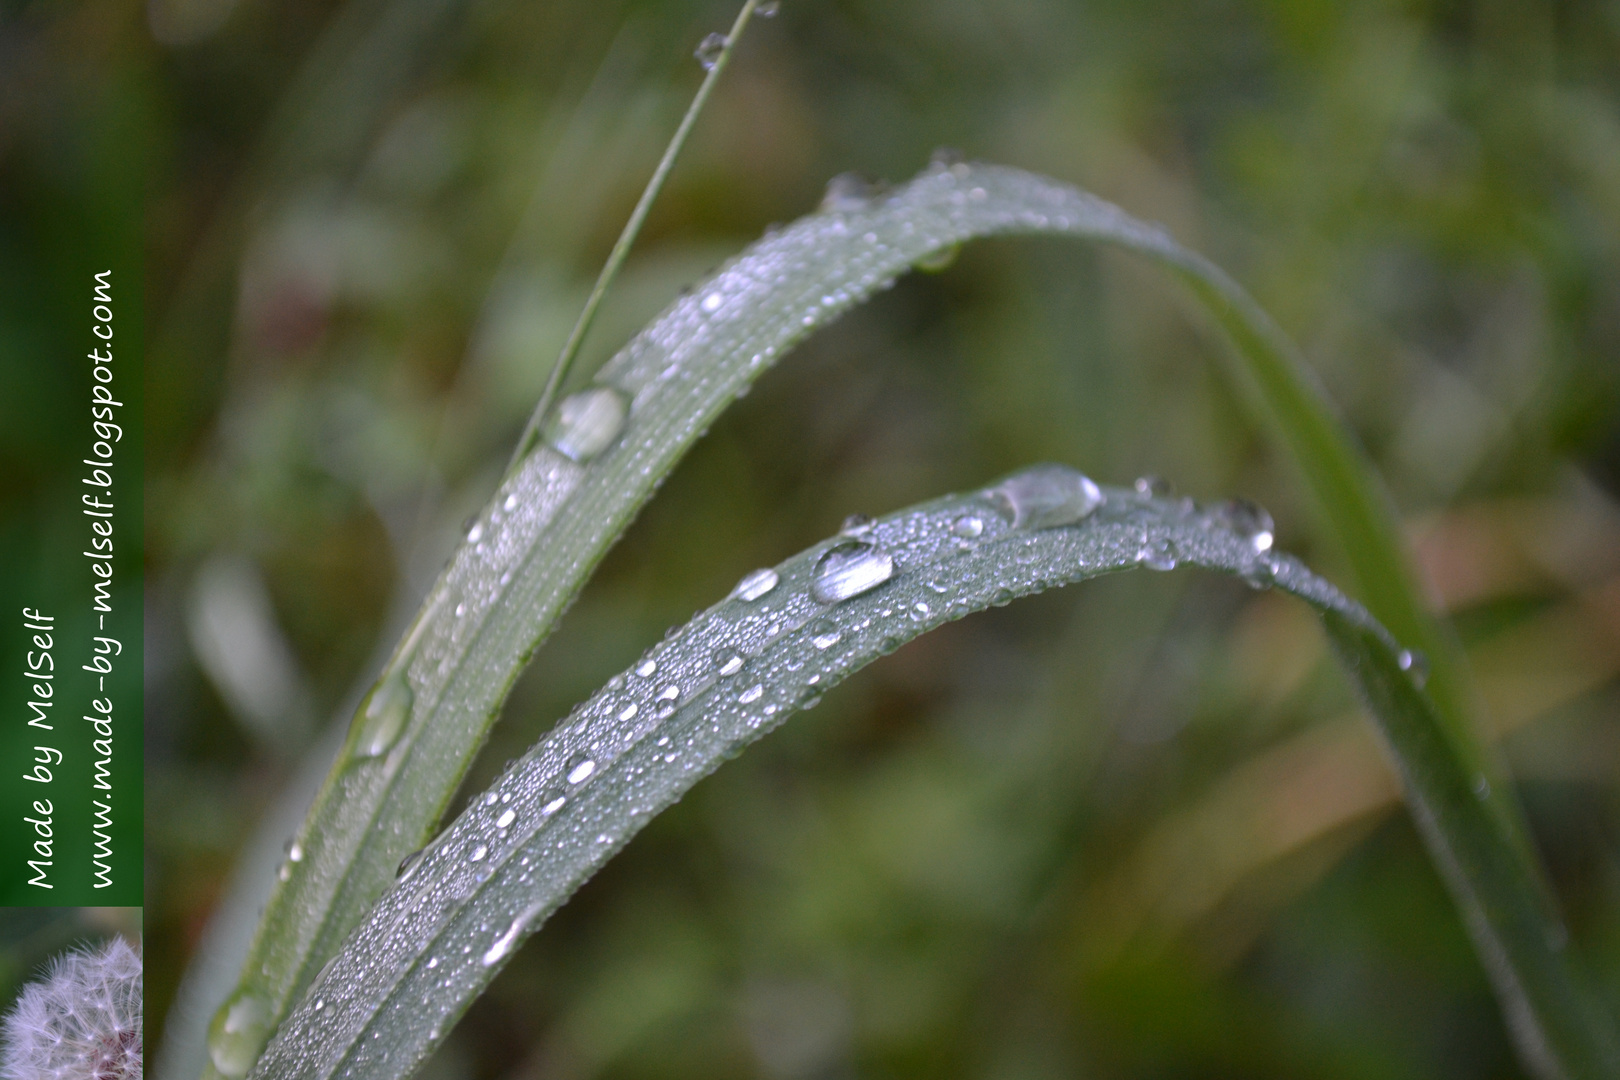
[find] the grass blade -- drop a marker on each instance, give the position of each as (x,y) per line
(775,646)
(605,449)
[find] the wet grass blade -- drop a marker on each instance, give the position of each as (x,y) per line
(602,453)
(774,646)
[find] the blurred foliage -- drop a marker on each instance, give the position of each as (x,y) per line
(1132,830)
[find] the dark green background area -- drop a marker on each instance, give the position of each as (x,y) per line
(72,197)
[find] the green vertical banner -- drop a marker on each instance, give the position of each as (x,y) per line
(71,192)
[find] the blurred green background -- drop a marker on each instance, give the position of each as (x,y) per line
(1134,829)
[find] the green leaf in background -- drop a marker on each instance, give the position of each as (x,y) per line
(607,447)
(776,645)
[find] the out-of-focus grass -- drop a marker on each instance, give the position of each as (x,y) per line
(1190,865)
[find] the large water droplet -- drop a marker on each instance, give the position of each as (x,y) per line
(478,853)
(586,423)
(1416,666)
(767,9)
(1045,497)
(581,770)
(408,865)
(238,1033)
(646,667)
(846,193)
(752,694)
(709,50)
(850,569)
(383,716)
(756,584)
(855,524)
(506,819)
(728,660)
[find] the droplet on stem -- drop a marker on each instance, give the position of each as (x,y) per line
(709,50)
(756,584)
(850,569)
(587,423)
(1045,497)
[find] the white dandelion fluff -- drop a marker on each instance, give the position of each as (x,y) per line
(81,1022)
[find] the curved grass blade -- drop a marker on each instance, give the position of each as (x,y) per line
(605,449)
(776,645)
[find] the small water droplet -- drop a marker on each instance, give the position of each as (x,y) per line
(767,9)
(729,660)
(581,771)
(629,711)
(946,157)
(1045,497)
(1153,487)
(295,851)
(408,864)
(461,609)
(670,693)
(1159,554)
(383,716)
(1416,666)
(285,873)
(476,533)
(554,804)
(320,1003)
(823,634)
(936,262)
(967,526)
(646,667)
(1482,787)
(1250,521)
(850,569)
(478,853)
(756,584)
(846,193)
(709,50)
(238,1032)
(511,502)
(1260,573)
(752,694)
(711,302)
(506,819)
(587,423)
(855,524)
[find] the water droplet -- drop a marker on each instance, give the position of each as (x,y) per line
(846,193)
(554,804)
(1045,497)
(383,716)
(850,569)
(646,667)
(729,660)
(506,819)
(511,502)
(320,1003)
(285,873)
(670,693)
(476,533)
(938,261)
(711,303)
(1482,787)
(295,851)
(629,711)
(767,9)
(1159,554)
(1416,666)
(823,634)
(408,864)
(756,584)
(1249,521)
(478,853)
(587,423)
(709,50)
(1153,487)
(1261,573)
(238,1032)
(581,771)
(967,526)
(945,157)
(752,694)
(855,524)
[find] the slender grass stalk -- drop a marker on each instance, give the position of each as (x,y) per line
(627,237)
